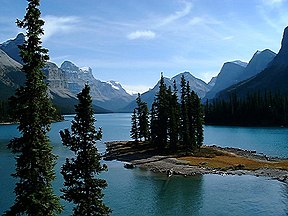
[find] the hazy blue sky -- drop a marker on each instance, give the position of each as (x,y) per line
(132,41)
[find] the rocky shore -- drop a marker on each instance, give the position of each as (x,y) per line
(179,165)
(164,164)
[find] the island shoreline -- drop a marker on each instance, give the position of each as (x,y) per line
(178,165)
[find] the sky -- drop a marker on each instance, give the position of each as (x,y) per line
(133,41)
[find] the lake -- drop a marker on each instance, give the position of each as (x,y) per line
(138,192)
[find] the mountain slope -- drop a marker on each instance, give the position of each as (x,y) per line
(273,79)
(197,85)
(229,75)
(10,76)
(109,95)
(258,63)
(10,47)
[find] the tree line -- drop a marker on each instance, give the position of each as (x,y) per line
(173,124)
(35,161)
(257,109)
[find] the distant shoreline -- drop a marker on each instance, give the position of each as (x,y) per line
(247,162)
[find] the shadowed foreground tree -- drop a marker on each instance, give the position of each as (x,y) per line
(33,110)
(81,186)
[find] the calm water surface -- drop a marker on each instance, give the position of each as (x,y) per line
(138,192)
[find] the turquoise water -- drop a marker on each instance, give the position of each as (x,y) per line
(138,192)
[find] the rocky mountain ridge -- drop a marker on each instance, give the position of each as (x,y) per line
(236,71)
(197,85)
(273,79)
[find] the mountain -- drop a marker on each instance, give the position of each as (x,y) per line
(273,78)
(65,82)
(258,63)
(212,82)
(10,76)
(229,75)
(235,72)
(109,95)
(197,85)
(10,47)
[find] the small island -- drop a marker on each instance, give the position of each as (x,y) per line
(170,138)
(208,160)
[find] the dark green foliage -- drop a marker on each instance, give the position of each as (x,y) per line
(134,132)
(258,109)
(176,126)
(143,118)
(191,125)
(81,186)
(184,118)
(34,111)
(173,118)
(160,117)
(4,115)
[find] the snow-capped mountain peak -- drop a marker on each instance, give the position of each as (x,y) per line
(85,69)
(238,62)
(114,85)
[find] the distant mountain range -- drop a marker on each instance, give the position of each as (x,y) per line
(273,79)
(109,95)
(197,85)
(266,71)
(64,82)
(236,71)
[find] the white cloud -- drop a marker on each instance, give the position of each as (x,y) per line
(195,21)
(177,15)
(228,37)
(273,2)
(147,35)
(54,25)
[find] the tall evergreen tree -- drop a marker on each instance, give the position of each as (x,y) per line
(199,120)
(161,112)
(143,118)
(81,186)
(154,123)
(191,114)
(184,121)
(173,118)
(33,109)
(134,132)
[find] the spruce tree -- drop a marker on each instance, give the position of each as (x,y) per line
(154,123)
(184,121)
(173,118)
(160,107)
(134,132)
(199,121)
(33,110)
(81,185)
(143,118)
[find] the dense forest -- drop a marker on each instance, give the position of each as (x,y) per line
(173,124)
(258,109)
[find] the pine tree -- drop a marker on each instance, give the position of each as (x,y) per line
(159,117)
(184,121)
(81,186)
(173,118)
(134,132)
(154,123)
(33,109)
(143,118)
(199,121)
(192,115)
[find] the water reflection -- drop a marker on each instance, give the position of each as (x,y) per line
(180,195)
